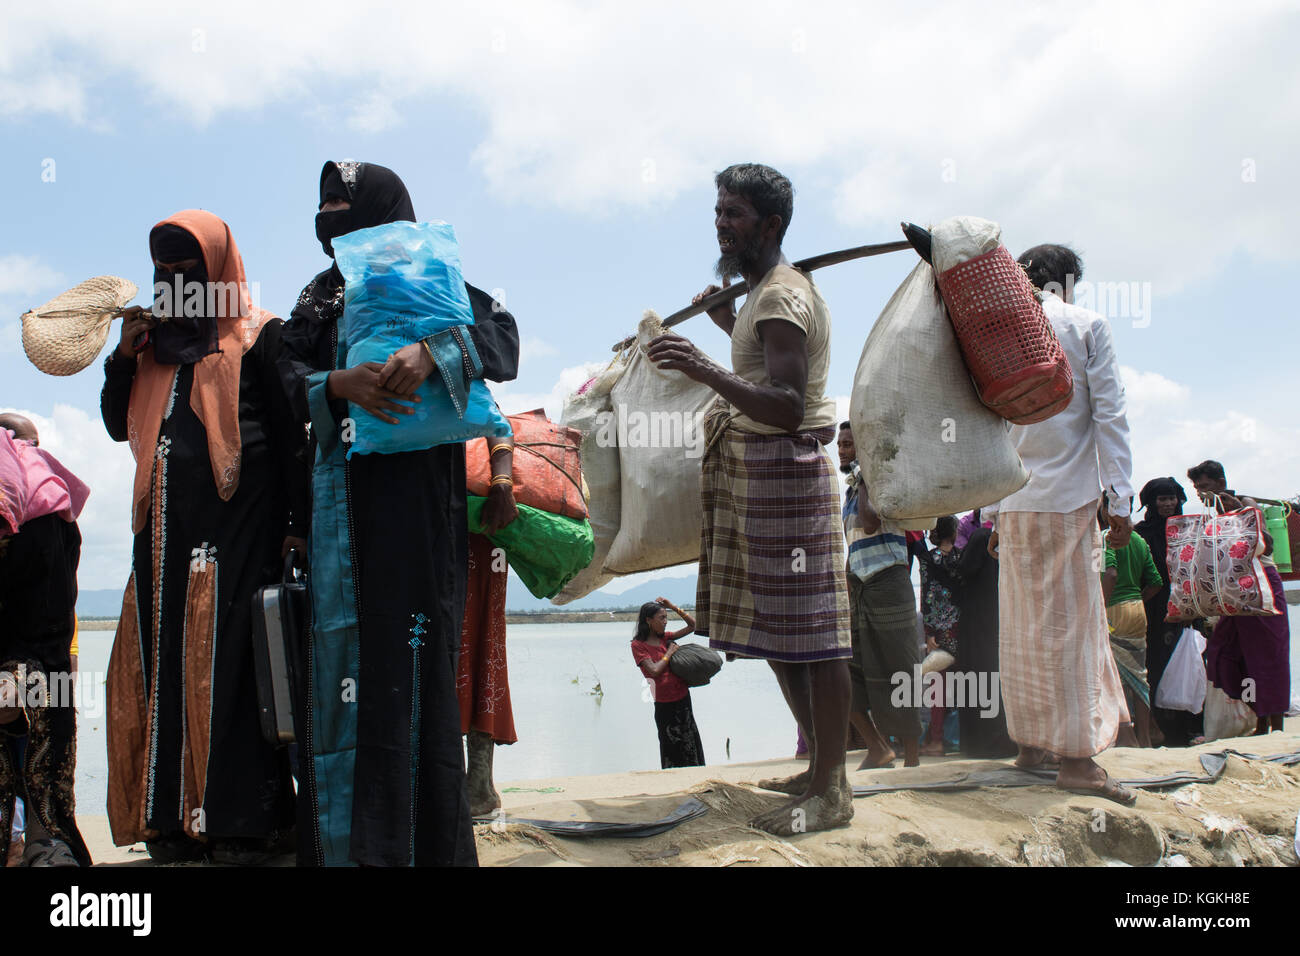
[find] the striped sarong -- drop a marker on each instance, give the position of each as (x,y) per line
(1128,642)
(1060,685)
(771,581)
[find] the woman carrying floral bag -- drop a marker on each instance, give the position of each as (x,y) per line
(1221,564)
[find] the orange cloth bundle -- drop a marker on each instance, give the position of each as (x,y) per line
(547,465)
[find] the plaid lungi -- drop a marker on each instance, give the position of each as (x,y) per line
(771,581)
(1059,680)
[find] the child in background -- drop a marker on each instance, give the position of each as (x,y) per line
(940,613)
(652,648)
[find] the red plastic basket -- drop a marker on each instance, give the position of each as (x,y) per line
(1014,357)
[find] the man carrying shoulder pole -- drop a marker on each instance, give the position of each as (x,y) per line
(771,579)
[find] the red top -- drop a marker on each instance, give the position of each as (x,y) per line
(668,686)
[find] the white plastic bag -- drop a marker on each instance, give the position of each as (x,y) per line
(659,424)
(1225,717)
(600,471)
(926,444)
(1182,686)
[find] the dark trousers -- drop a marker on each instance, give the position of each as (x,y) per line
(882,612)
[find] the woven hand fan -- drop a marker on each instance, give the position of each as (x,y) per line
(66,334)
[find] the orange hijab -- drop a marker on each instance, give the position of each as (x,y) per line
(215,393)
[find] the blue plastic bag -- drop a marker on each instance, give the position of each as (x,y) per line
(404,285)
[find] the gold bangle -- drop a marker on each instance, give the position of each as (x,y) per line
(493,449)
(502,480)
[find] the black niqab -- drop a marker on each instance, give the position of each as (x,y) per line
(181,338)
(376,193)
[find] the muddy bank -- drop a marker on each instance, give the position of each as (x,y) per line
(1245,818)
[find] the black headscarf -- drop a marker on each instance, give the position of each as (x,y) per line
(376,193)
(181,339)
(1152,526)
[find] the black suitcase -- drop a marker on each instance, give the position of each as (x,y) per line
(280,616)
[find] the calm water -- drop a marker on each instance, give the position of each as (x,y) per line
(564,729)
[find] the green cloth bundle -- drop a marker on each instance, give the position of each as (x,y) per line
(546,551)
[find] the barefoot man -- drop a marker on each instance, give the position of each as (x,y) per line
(1062,690)
(771,582)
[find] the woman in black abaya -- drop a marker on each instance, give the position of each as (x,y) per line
(1163,498)
(383,766)
(982,730)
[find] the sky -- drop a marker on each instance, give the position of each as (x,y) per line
(573,146)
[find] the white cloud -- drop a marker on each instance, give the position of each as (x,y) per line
(26,276)
(48,93)
(1090,122)
(513,402)
(1148,391)
(533,347)
(1171,431)
(374,114)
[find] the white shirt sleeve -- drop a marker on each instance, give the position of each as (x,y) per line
(1110,419)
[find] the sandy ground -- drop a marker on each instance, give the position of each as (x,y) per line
(1248,817)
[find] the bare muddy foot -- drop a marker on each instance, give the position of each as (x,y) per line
(795,786)
(834,808)
(1096,783)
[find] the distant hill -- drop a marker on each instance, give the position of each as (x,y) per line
(681,591)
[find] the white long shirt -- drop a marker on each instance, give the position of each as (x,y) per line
(1083,449)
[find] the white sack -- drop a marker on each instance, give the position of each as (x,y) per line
(600,472)
(1225,717)
(926,444)
(659,417)
(955,240)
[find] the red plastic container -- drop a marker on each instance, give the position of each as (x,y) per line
(1019,368)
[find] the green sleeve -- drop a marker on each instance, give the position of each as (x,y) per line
(1110,559)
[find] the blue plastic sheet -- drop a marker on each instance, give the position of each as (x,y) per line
(404,285)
